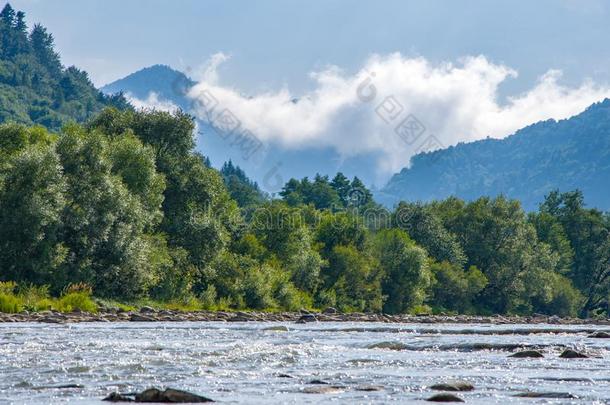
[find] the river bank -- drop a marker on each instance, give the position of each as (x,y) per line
(148,314)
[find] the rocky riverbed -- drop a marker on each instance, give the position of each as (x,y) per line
(148,314)
(312,362)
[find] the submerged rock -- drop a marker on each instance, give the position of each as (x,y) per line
(445,397)
(572,354)
(318,382)
(284,375)
(527,354)
(453,386)
(154,395)
(369,388)
(549,395)
(388,345)
(323,389)
(279,328)
(600,334)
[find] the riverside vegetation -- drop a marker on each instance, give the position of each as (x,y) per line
(110,202)
(124,206)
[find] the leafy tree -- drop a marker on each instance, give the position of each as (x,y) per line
(32,198)
(455,289)
(103,223)
(405,270)
(357,286)
(427,229)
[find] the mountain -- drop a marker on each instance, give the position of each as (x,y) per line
(569,154)
(35,88)
(271,166)
(167,83)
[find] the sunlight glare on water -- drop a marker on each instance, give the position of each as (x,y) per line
(261,363)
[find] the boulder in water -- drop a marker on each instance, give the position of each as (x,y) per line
(535,354)
(323,389)
(322,382)
(279,328)
(445,397)
(388,345)
(369,388)
(154,395)
(549,395)
(572,354)
(453,386)
(600,334)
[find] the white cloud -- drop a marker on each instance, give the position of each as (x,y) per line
(455,102)
(152,101)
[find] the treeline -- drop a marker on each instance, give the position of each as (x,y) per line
(34,86)
(125,205)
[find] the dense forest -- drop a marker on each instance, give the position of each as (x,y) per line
(567,154)
(123,206)
(34,86)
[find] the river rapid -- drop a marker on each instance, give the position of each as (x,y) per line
(265,362)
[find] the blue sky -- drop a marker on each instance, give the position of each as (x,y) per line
(277,42)
(466,69)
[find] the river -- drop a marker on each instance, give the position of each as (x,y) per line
(264,363)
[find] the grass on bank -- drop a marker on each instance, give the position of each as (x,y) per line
(14,298)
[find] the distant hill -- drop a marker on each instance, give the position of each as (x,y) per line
(167,83)
(565,155)
(35,88)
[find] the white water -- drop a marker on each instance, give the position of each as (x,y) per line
(240,362)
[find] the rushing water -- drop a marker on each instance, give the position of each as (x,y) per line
(244,362)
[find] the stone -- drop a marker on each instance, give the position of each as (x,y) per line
(179,396)
(600,334)
(154,395)
(305,318)
(572,354)
(535,354)
(330,311)
(279,328)
(388,345)
(323,389)
(445,397)
(369,388)
(147,310)
(318,382)
(453,386)
(116,397)
(550,395)
(141,318)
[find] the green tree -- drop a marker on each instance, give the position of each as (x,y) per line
(405,270)
(32,198)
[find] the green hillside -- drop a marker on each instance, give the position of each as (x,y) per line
(35,88)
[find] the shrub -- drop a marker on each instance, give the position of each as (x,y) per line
(10,303)
(76,301)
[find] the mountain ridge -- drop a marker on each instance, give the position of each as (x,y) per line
(552,154)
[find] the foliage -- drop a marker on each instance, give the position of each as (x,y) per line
(34,86)
(528,165)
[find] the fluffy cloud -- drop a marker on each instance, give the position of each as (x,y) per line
(152,101)
(359,113)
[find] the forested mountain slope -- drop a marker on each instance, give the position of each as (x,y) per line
(34,86)
(565,155)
